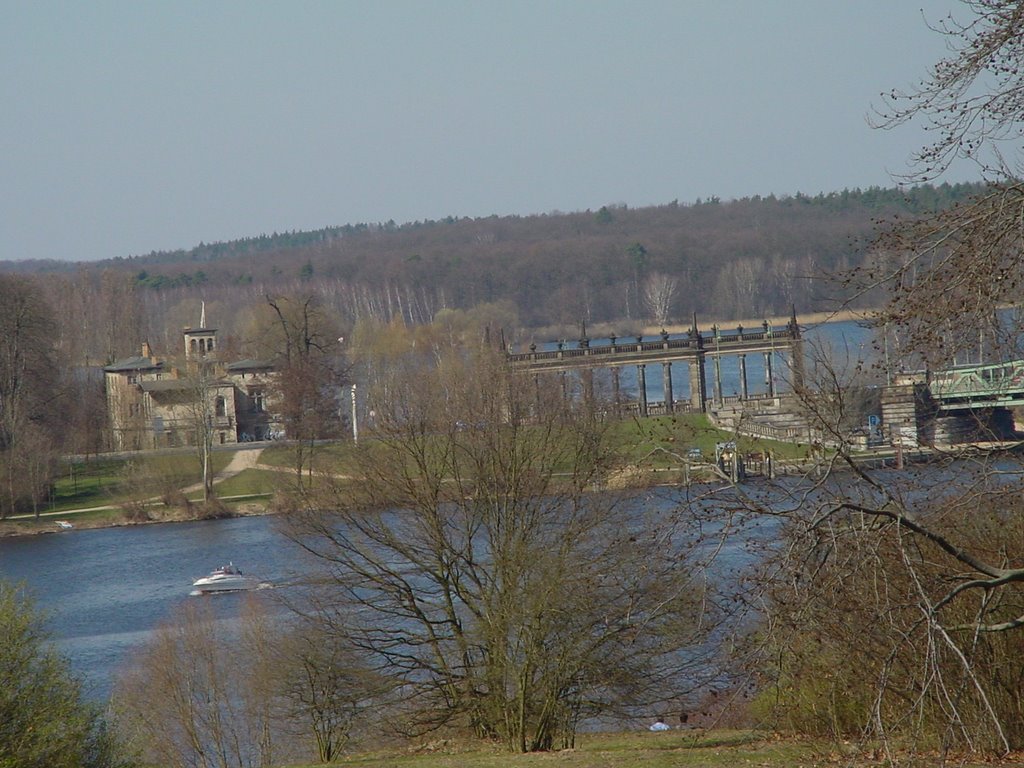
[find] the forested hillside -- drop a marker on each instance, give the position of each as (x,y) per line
(631,266)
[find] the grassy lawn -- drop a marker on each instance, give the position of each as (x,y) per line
(103,482)
(672,749)
(665,441)
(248,482)
(111,482)
(326,456)
(633,750)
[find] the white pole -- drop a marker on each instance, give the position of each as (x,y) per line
(355,424)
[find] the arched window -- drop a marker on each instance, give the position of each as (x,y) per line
(220,405)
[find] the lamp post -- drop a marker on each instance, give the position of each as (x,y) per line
(355,424)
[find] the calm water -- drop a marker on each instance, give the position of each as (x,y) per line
(105,590)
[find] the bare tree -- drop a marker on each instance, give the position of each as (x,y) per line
(28,366)
(192,697)
(307,343)
(324,688)
(205,405)
(913,579)
(950,271)
(467,557)
(659,292)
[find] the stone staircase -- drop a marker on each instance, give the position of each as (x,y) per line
(774,418)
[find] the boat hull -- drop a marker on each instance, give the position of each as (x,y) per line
(224,585)
(225,579)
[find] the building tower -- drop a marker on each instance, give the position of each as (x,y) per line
(200,342)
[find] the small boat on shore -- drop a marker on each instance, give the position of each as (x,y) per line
(227,578)
(64,525)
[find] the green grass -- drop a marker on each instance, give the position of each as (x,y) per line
(326,456)
(87,484)
(672,749)
(110,482)
(633,750)
(663,442)
(249,482)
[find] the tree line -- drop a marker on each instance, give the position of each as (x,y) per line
(755,256)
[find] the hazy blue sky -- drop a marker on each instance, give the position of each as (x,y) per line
(136,126)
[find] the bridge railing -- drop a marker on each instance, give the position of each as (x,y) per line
(980,381)
(708,342)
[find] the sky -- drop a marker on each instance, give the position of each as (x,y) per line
(128,127)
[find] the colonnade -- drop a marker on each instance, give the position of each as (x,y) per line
(697,379)
(693,349)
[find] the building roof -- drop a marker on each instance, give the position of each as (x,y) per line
(249,365)
(136,363)
(178,385)
(165,385)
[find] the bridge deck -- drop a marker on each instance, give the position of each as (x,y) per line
(618,353)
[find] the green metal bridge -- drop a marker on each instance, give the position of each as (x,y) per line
(982,386)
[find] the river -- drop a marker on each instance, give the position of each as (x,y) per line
(105,590)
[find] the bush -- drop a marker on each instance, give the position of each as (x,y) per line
(44,721)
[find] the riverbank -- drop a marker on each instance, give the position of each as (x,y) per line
(121,517)
(811,318)
(624,329)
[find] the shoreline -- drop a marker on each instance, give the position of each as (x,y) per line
(811,318)
(606,329)
(17,527)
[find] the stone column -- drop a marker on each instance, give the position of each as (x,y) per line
(796,352)
(698,389)
(743,377)
(587,377)
(769,376)
(666,378)
(641,385)
(719,395)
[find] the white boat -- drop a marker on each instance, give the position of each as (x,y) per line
(64,525)
(227,578)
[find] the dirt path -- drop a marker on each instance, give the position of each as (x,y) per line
(247,458)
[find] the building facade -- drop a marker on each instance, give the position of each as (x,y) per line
(155,402)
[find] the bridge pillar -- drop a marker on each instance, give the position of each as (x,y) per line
(587,376)
(698,389)
(719,395)
(641,385)
(796,352)
(796,358)
(769,375)
(743,377)
(666,378)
